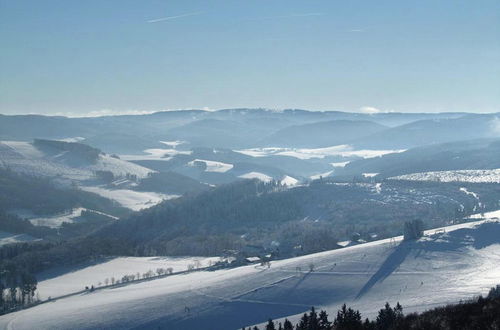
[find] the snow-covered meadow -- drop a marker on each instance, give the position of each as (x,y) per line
(9,238)
(304,153)
(60,282)
(156,154)
(56,220)
(134,200)
(212,166)
(448,264)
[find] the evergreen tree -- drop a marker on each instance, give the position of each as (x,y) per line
(303,323)
(388,317)
(324,323)
(313,320)
(368,325)
(287,325)
(348,319)
(270,325)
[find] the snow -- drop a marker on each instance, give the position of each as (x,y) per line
(156,154)
(9,238)
(173,144)
(440,268)
(23,157)
(55,221)
(304,153)
(492,215)
(212,166)
(476,176)
(134,200)
(256,175)
(68,281)
(119,167)
(289,181)
(339,164)
(73,139)
(370,175)
(467,192)
(252,259)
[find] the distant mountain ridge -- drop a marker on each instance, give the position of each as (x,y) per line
(232,128)
(323,133)
(461,155)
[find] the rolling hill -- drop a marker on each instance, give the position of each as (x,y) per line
(462,155)
(426,132)
(322,134)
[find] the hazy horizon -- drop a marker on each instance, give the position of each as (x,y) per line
(77,58)
(109,112)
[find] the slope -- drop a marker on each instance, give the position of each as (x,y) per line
(445,266)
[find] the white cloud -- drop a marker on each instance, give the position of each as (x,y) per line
(369,110)
(169,18)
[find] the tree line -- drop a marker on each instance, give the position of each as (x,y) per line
(476,313)
(17,288)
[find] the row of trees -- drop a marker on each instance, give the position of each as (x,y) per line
(346,319)
(147,275)
(17,287)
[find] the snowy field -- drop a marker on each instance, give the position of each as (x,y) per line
(339,164)
(212,166)
(303,153)
(493,215)
(53,285)
(9,238)
(134,200)
(449,264)
(256,175)
(289,181)
(285,180)
(156,154)
(55,221)
(475,176)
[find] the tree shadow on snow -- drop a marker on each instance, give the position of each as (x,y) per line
(393,261)
(478,237)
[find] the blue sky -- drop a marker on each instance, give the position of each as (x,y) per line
(79,57)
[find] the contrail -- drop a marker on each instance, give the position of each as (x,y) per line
(168,18)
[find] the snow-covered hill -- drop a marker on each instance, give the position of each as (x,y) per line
(446,265)
(25,157)
(476,176)
(30,158)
